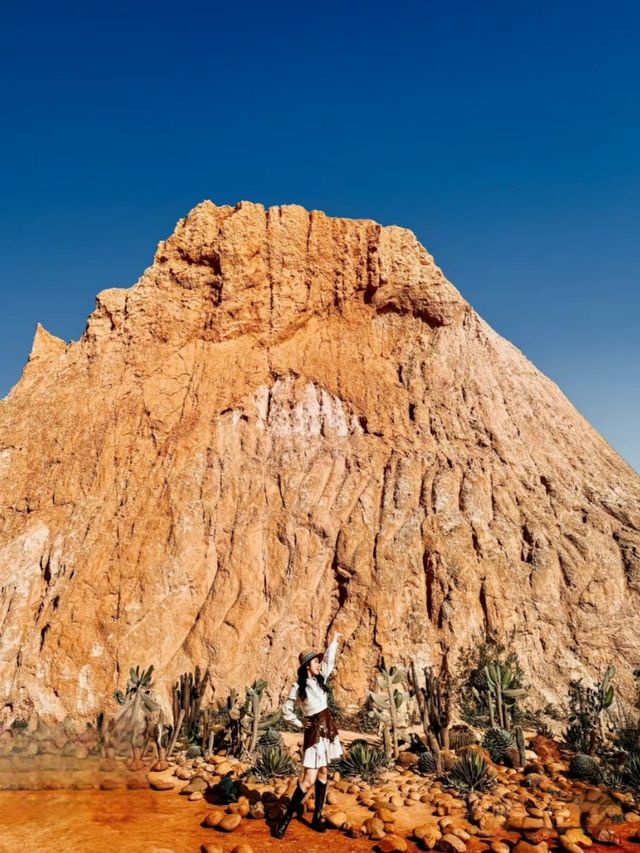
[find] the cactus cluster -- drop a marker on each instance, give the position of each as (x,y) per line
(434,700)
(501,694)
(187,694)
(246,723)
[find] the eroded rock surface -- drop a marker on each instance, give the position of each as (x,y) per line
(293,424)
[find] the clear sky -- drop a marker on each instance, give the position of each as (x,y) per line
(506,135)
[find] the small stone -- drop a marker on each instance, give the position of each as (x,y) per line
(385,814)
(137,783)
(428,834)
(607,836)
(577,836)
(452,844)
(197,795)
(336,819)
(213,817)
(392,844)
(211,848)
(162,785)
(230,822)
(374,828)
(525,847)
(242,848)
(498,846)
(109,785)
(257,810)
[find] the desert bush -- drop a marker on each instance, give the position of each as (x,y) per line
(273,762)
(364,761)
(471,772)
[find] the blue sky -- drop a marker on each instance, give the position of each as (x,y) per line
(506,135)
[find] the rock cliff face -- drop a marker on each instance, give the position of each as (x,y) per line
(293,424)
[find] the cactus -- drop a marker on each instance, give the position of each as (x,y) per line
(471,773)
(271,737)
(586,707)
(246,725)
(429,764)
(138,705)
(387,701)
(461,736)
(585,767)
(187,693)
(522,753)
(434,701)
(500,688)
(496,741)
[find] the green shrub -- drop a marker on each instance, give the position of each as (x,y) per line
(427,763)
(631,771)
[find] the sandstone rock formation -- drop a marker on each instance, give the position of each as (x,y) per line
(293,424)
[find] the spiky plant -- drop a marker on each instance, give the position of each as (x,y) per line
(632,771)
(427,763)
(472,772)
(460,736)
(272,762)
(194,751)
(584,767)
(612,779)
(271,737)
(364,761)
(496,741)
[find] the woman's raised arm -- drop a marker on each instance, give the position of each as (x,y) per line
(329,658)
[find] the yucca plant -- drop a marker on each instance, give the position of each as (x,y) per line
(496,741)
(364,761)
(472,772)
(273,761)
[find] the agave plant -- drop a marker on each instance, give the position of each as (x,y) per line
(632,771)
(497,741)
(273,761)
(364,761)
(471,772)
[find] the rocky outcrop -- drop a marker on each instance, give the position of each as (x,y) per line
(292,424)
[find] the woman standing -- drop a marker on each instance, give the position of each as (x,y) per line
(321,742)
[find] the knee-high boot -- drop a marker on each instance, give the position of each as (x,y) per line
(294,806)
(320,792)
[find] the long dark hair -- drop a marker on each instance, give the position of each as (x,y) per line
(302,682)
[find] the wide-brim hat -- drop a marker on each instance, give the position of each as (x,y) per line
(308,655)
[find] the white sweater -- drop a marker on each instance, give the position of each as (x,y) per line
(316,700)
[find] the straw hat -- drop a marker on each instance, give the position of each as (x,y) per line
(308,655)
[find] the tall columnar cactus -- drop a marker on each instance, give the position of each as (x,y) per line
(434,702)
(522,753)
(387,701)
(500,690)
(187,696)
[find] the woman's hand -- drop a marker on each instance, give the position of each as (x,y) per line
(336,636)
(306,724)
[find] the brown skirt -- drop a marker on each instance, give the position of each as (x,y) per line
(322,725)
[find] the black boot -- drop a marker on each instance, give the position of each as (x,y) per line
(294,806)
(320,791)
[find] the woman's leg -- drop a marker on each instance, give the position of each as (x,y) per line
(322,777)
(309,777)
